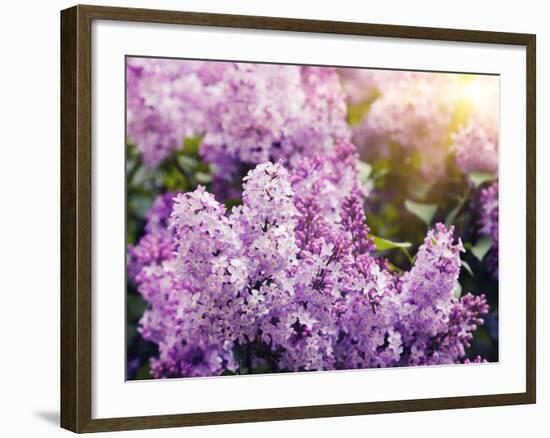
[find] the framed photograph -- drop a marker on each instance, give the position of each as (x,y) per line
(267,218)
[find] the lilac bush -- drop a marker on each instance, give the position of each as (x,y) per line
(263,197)
(295,288)
(242,111)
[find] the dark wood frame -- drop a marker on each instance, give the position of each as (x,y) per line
(76,226)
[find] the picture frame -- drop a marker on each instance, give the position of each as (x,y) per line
(77,237)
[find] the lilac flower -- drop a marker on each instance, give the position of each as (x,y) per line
(415,111)
(476,149)
(277,281)
(488,223)
(331,178)
(165,104)
(152,249)
(476,143)
(242,111)
(475,360)
(265,222)
(158,215)
(427,294)
(191,360)
(251,118)
(157,244)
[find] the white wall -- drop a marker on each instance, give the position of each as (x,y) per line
(29,219)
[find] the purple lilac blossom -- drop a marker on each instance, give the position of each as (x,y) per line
(157,243)
(476,360)
(488,224)
(301,289)
(332,178)
(435,327)
(165,104)
(242,111)
(476,149)
(272,112)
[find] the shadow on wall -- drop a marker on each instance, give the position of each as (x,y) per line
(51,417)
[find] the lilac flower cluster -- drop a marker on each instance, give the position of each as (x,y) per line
(246,114)
(157,243)
(254,120)
(488,223)
(476,143)
(415,111)
(165,104)
(476,149)
(290,280)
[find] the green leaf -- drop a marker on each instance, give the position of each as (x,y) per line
(384,244)
(260,370)
(466,266)
(135,306)
(233,202)
(479,178)
(394,268)
(380,168)
(188,163)
(140,204)
(175,180)
(482,247)
(419,189)
(144,372)
(141,176)
(425,212)
(203,178)
(449,220)
(191,146)
(356,112)
(457,290)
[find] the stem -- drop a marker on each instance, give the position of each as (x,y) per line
(460,206)
(408,254)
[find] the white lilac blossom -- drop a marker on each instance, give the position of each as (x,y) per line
(279,282)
